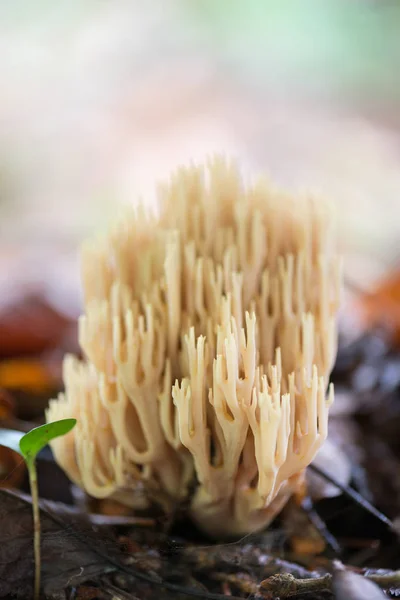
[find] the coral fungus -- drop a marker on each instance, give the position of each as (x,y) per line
(209,335)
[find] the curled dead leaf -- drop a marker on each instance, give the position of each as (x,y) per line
(72,550)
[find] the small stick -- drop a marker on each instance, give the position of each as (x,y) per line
(388,580)
(355,496)
(285,585)
(320,525)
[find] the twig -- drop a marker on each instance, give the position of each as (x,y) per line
(355,496)
(115,563)
(148,578)
(387,580)
(320,525)
(286,586)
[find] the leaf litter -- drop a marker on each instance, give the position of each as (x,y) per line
(97,556)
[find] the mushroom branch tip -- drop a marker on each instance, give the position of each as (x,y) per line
(209,334)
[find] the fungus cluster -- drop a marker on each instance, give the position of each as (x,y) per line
(209,335)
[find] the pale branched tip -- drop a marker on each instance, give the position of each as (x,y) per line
(209,334)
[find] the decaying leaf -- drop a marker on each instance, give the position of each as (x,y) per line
(70,555)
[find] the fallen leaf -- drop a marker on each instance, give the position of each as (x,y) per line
(70,549)
(307,546)
(28,325)
(30,376)
(98,520)
(88,593)
(304,537)
(32,382)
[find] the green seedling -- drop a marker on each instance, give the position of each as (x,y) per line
(28,445)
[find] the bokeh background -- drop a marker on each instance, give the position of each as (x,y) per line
(101,99)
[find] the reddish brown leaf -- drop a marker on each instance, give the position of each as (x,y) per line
(28,325)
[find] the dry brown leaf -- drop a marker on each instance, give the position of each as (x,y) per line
(70,554)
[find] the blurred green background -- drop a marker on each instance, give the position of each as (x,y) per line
(327,47)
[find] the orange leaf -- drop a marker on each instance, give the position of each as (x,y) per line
(310,546)
(382,307)
(26,375)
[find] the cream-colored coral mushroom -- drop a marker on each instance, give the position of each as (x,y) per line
(209,335)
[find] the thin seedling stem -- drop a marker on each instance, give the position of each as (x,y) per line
(29,445)
(36,525)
